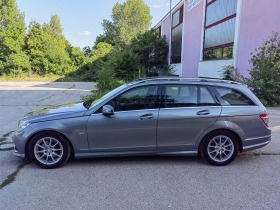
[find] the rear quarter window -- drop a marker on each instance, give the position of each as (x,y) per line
(232,97)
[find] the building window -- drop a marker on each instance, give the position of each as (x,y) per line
(219,29)
(176,37)
(158,30)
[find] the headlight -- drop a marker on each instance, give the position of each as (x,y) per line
(22,125)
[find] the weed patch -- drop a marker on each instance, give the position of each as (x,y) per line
(7,134)
(7,149)
(12,176)
(4,137)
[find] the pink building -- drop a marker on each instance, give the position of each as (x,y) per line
(207,35)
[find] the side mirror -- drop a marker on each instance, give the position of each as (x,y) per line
(108,110)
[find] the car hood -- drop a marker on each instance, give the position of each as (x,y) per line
(56,112)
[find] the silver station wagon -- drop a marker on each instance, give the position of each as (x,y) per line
(153,116)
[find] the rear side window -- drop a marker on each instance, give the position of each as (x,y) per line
(233,97)
(187,96)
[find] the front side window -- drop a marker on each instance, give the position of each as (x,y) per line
(219,29)
(187,96)
(233,97)
(136,99)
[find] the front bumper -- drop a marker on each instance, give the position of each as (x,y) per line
(16,153)
(20,139)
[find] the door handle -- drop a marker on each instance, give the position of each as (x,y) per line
(146,116)
(203,112)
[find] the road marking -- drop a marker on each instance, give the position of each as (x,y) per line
(275,128)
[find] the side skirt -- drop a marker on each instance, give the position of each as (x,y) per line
(135,153)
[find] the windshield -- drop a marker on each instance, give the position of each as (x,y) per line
(108,95)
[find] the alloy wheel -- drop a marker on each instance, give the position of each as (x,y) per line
(220,148)
(48,150)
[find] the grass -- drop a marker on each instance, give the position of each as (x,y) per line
(7,134)
(12,176)
(37,78)
(9,142)
(7,149)
(4,137)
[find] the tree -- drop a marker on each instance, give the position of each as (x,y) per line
(77,56)
(152,51)
(265,71)
(125,65)
(55,26)
(87,51)
(13,58)
(56,47)
(102,49)
(93,63)
(49,51)
(36,48)
(128,20)
(145,56)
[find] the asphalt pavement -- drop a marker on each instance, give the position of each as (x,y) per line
(251,181)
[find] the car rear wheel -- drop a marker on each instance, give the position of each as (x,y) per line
(49,150)
(219,148)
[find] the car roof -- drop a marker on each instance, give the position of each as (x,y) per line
(180,80)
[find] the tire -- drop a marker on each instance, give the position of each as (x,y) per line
(49,150)
(219,148)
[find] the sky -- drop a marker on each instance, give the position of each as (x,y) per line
(81,19)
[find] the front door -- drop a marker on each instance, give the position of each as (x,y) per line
(133,125)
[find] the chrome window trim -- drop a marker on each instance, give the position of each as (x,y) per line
(231,106)
(138,110)
(191,107)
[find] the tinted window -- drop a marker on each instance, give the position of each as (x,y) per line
(187,96)
(206,98)
(136,99)
(233,97)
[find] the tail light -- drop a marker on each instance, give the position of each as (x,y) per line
(264,118)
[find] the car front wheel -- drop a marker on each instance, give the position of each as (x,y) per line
(219,148)
(49,150)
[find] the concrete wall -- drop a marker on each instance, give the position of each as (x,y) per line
(192,39)
(258,20)
(165,29)
(214,68)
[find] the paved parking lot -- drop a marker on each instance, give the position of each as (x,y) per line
(250,182)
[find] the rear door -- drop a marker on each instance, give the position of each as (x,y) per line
(187,111)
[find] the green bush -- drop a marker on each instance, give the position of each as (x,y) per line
(229,73)
(265,72)
(107,81)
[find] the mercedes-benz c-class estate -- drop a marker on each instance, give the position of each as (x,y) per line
(153,116)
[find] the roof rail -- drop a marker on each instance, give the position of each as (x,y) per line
(149,79)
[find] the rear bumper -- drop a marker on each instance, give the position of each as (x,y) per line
(256,143)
